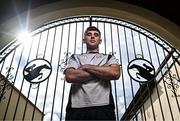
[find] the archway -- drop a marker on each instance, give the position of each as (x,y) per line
(51,44)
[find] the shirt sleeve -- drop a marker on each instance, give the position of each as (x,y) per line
(112,60)
(73,62)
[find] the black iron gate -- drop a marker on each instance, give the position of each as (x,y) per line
(32,85)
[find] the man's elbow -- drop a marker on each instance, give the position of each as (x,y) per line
(116,76)
(117,73)
(69,78)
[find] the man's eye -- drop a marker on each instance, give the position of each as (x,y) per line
(88,34)
(96,34)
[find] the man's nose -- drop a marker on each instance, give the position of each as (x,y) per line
(92,37)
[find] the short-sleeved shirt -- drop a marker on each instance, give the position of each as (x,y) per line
(94,92)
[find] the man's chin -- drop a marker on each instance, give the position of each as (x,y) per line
(92,47)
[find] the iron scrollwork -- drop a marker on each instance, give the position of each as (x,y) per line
(63,63)
(5,82)
(5,52)
(172,83)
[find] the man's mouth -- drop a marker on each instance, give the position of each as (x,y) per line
(92,41)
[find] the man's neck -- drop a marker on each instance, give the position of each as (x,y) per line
(93,51)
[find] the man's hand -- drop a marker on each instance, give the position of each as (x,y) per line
(77,75)
(106,72)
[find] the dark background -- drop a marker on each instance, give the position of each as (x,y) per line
(166,8)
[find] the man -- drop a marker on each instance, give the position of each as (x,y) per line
(90,74)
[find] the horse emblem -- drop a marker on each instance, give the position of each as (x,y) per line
(37,70)
(141,70)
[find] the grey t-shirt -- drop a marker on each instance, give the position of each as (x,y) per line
(94,92)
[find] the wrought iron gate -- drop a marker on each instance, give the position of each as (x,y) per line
(32,85)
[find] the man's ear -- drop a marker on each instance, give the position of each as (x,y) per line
(100,41)
(83,40)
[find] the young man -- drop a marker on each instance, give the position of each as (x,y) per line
(90,74)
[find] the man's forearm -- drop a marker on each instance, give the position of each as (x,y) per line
(103,72)
(77,76)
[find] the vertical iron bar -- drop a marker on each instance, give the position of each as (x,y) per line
(62,101)
(2,65)
(142,111)
(64,79)
(177,71)
(13,83)
(30,91)
(38,84)
(155,83)
(165,87)
(147,83)
(57,71)
(175,95)
(115,90)
(7,76)
(90,20)
(172,85)
(164,82)
(132,91)
(47,87)
(1,95)
(177,80)
(34,109)
(112,48)
(52,56)
(26,102)
(105,37)
(48,78)
(97,24)
(22,83)
(82,37)
(75,39)
(57,75)
(122,74)
(139,83)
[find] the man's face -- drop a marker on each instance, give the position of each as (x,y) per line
(92,39)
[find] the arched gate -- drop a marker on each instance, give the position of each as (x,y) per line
(32,85)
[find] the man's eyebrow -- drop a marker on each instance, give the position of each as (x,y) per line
(96,32)
(88,33)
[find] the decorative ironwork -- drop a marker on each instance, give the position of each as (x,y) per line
(64,61)
(61,22)
(134,27)
(172,83)
(37,70)
(127,39)
(5,83)
(8,49)
(141,70)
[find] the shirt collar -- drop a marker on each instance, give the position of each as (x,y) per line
(92,52)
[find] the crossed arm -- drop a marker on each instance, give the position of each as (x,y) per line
(89,72)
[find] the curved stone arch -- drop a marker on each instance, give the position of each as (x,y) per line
(51,12)
(163,43)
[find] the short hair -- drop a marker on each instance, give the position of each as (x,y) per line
(93,28)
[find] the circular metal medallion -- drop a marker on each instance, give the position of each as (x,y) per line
(141,70)
(37,70)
